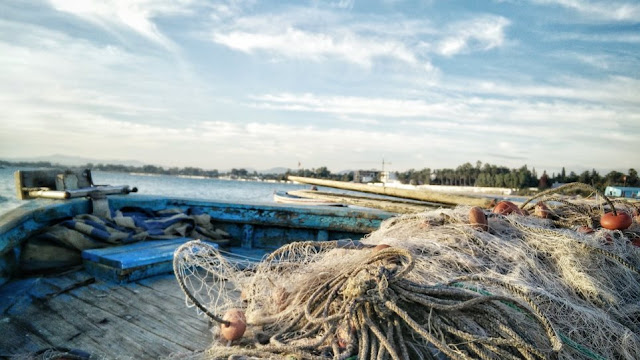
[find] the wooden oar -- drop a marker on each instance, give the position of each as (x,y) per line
(423,195)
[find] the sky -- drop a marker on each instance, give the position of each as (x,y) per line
(342,83)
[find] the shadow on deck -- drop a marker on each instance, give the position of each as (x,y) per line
(146,319)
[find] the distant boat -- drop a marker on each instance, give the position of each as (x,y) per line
(623,191)
(283,197)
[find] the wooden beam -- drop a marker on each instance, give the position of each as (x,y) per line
(401,207)
(423,195)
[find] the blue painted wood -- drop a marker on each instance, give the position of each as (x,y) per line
(323,235)
(272,225)
(136,254)
(134,261)
(247,236)
(344,219)
(20,223)
(243,258)
(13,291)
(8,265)
(109,273)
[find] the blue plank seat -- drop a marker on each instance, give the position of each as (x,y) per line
(133,261)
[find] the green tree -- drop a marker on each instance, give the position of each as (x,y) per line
(322,172)
(632,178)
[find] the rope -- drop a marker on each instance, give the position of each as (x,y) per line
(183,287)
(571,186)
(383,301)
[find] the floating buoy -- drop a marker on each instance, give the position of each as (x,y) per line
(541,210)
(620,221)
(380,247)
(507,207)
(237,324)
(585,230)
(504,208)
(478,219)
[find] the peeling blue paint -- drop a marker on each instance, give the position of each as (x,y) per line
(265,226)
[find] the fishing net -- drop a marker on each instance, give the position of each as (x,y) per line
(529,288)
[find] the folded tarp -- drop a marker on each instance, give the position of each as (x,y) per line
(61,244)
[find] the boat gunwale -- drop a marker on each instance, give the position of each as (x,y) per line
(26,220)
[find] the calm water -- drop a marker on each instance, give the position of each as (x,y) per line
(210,189)
(207,189)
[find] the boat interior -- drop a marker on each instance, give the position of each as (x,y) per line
(119,299)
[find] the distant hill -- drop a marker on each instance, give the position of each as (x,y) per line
(75,160)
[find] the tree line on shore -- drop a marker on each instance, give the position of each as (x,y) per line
(488,175)
(482,175)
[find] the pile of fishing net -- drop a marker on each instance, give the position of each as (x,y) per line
(433,286)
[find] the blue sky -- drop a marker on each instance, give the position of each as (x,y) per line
(342,84)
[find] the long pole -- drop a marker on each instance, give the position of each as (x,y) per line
(384,183)
(423,195)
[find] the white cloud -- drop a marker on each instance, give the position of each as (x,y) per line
(353,105)
(321,35)
(600,61)
(343,4)
(459,109)
(530,119)
(137,16)
(216,144)
(618,37)
(298,44)
(224,144)
(50,76)
(121,102)
(600,10)
(482,33)
(612,90)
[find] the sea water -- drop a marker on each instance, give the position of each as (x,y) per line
(183,187)
(173,186)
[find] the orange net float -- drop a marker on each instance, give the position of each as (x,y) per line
(477,219)
(234,325)
(616,221)
(507,207)
(541,210)
(380,247)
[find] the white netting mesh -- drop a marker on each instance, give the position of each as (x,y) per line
(527,289)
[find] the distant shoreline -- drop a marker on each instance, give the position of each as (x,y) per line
(481,178)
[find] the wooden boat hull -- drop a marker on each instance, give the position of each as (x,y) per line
(251,226)
(282,197)
(422,195)
(94,311)
(394,205)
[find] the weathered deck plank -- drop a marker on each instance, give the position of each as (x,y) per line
(142,308)
(166,285)
(106,320)
(19,337)
(42,322)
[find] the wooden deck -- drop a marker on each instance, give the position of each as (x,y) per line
(145,319)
